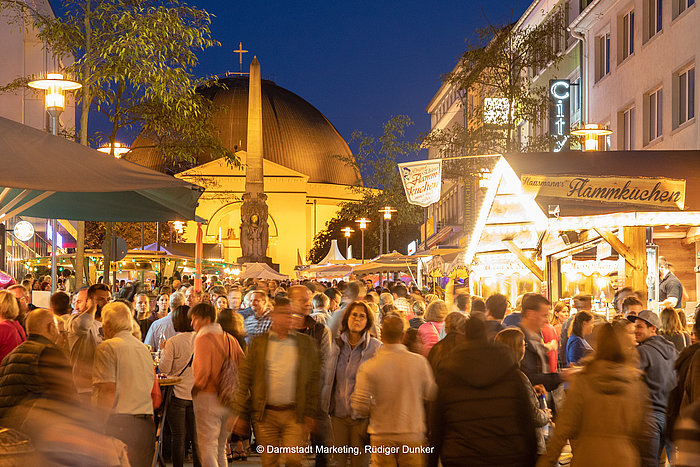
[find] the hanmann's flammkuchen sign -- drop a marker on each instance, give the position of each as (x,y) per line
(660,192)
(422,181)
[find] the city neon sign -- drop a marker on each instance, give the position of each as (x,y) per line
(559,113)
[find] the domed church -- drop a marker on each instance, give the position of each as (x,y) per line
(305,173)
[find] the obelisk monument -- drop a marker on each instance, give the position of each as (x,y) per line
(254,227)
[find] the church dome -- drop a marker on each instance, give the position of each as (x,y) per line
(295,134)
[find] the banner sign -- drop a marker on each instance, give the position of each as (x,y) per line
(422,181)
(559,113)
(659,192)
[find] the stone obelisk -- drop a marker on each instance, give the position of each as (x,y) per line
(254,227)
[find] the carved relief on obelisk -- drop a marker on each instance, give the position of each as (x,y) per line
(254,227)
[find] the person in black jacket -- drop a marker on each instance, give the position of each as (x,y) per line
(535,365)
(482,413)
(36,368)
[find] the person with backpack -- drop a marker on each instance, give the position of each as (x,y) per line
(217,357)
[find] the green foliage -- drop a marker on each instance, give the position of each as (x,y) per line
(376,159)
(501,63)
(129,231)
(135,60)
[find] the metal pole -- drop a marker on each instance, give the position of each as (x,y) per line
(363,246)
(346,247)
(143,227)
(54,118)
(381,235)
(53,256)
(387,236)
(157,236)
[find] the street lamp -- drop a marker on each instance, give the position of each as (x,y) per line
(347,231)
(55,102)
(119,149)
(592,131)
(387,210)
(363,225)
(55,98)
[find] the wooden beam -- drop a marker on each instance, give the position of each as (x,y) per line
(523,258)
(617,245)
(692,236)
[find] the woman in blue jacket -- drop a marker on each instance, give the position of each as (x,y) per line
(353,347)
(576,346)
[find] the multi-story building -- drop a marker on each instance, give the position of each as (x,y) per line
(639,71)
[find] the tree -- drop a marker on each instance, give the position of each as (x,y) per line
(129,231)
(376,160)
(501,64)
(135,60)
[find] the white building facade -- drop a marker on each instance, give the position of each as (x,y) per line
(24,54)
(639,67)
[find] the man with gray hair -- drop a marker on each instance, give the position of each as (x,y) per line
(36,368)
(123,378)
(163,329)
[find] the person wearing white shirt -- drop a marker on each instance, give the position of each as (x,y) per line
(176,360)
(396,418)
(123,377)
(163,329)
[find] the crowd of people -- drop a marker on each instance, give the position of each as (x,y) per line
(347,372)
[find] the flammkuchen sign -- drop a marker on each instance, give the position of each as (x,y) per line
(660,192)
(422,181)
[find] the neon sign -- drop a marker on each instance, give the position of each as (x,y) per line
(559,113)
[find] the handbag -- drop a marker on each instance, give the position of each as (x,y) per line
(228,378)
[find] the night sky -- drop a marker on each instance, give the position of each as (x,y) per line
(358,62)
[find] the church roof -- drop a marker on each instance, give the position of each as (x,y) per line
(295,134)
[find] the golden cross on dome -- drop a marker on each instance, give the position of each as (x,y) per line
(240,53)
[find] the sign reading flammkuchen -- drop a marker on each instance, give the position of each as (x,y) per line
(660,192)
(422,181)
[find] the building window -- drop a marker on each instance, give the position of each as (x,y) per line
(654,16)
(654,115)
(626,36)
(626,124)
(683,96)
(575,90)
(679,6)
(602,55)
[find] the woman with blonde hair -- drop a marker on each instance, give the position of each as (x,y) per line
(429,332)
(672,329)
(605,412)
(11,332)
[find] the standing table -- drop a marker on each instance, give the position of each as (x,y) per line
(167,385)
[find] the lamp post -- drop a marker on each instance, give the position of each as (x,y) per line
(347,231)
(387,210)
(118,149)
(592,131)
(55,102)
(363,225)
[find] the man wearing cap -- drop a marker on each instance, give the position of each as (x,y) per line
(656,359)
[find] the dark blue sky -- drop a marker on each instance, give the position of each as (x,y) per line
(358,62)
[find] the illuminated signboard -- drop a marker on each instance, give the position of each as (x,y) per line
(59,237)
(24,230)
(559,113)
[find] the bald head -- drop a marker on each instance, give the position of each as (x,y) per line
(42,322)
(392,329)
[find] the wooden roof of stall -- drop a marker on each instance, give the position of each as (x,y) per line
(684,165)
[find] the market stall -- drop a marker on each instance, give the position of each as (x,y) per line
(589,222)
